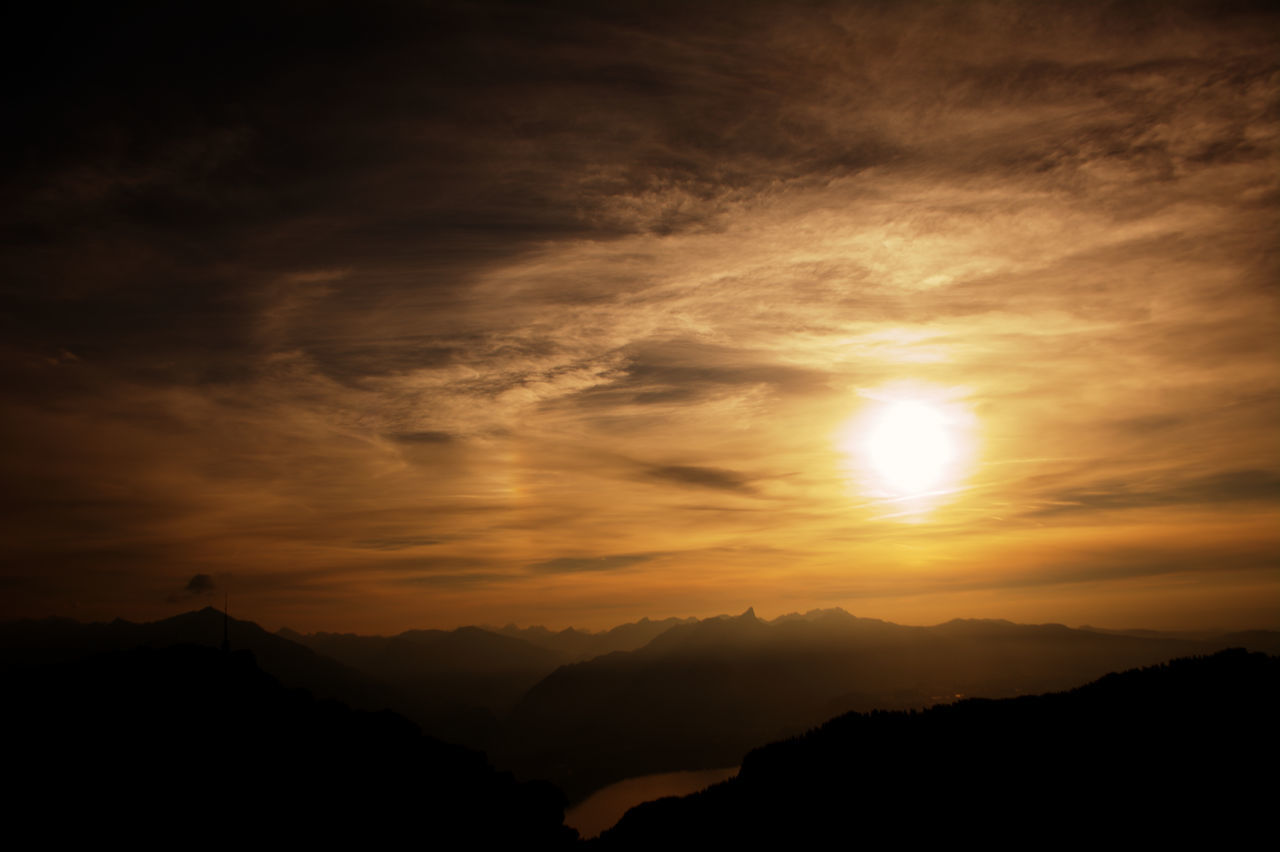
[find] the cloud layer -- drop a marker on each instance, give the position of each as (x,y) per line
(405,314)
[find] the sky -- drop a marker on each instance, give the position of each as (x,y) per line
(401,314)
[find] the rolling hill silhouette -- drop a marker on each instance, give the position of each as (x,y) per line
(1178,754)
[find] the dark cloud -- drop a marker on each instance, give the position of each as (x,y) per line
(444,138)
(701,477)
(1123,563)
(396,542)
(676,371)
(425,437)
(464,580)
(1233,486)
(579,564)
(201,584)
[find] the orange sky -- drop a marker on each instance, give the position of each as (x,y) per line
(574,316)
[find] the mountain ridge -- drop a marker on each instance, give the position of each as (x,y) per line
(1161,755)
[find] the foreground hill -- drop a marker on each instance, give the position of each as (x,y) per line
(442,686)
(164,745)
(1182,753)
(700,695)
(49,640)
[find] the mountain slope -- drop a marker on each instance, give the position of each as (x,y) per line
(1171,755)
(59,639)
(166,744)
(467,668)
(700,695)
(577,645)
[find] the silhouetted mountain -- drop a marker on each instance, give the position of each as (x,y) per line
(445,682)
(180,744)
(1175,756)
(470,664)
(59,639)
(454,682)
(576,645)
(700,695)
(1266,641)
(457,683)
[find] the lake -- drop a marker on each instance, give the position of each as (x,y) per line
(603,808)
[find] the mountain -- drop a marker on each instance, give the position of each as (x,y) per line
(1175,755)
(456,683)
(1266,641)
(28,642)
(576,645)
(701,694)
(164,745)
(450,683)
(698,694)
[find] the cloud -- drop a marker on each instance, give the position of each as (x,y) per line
(1231,486)
(200,585)
(701,477)
(580,564)
(425,437)
(464,580)
(420,276)
(685,371)
(396,542)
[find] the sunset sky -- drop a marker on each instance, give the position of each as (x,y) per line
(405,314)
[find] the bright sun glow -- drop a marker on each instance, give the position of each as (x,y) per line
(910,448)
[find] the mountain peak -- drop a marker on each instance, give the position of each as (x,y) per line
(749,615)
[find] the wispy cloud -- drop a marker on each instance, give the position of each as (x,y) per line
(500,288)
(576,564)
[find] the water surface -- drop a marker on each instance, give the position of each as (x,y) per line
(603,808)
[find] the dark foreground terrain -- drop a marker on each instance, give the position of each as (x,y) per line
(165,747)
(160,744)
(1178,753)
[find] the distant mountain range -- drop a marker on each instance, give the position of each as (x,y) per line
(575,645)
(1181,755)
(699,695)
(460,683)
(586,709)
(168,741)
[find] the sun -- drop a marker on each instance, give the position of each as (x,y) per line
(912,448)
(909,447)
